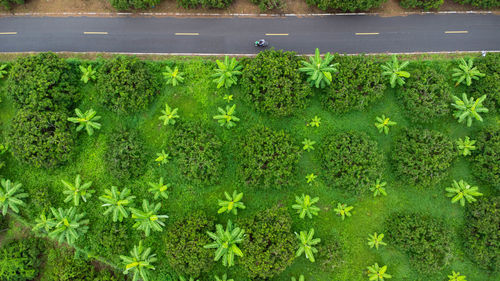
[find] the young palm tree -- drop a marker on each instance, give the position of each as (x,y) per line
(169,115)
(77,191)
(343,210)
(379,188)
(147,218)
(305,206)
(162,157)
(306,245)
(68,225)
(375,240)
(301,278)
(226,117)
(308,144)
(311,178)
(228,98)
(223,278)
(466,71)
(382,123)
(140,262)
(468,108)
(44,222)
(182,278)
(11,196)
(395,71)
(117,202)
(315,122)
(376,273)
(319,70)
(461,191)
(227,73)
(3,72)
(225,241)
(159,189)
(455,276)
(173,77)
(465,146)
(232,203)
(87,73)
(86,120)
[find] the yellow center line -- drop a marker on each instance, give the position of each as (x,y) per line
(8,33)
(188,34)
(276,34)
(456,31)
(95,33)
(367,33)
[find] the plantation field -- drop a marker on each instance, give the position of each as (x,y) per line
(205,160)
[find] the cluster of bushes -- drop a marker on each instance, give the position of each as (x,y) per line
(486,4)
(490,84)
(20,259)
(422,4)
(133,4)
(345,6)
(487,156)
(125,154)
(425,239)
(192,4)
(7,4)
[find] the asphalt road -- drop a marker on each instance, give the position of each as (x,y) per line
(343,34)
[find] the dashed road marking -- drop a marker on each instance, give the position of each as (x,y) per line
(187,33)
(8,33)
(367,33)
(95,33)
(456,31)
(276,34)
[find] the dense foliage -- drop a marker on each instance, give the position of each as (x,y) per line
(344,6)
(267,158)
(422,156)
(193,4)
(422,4)
(357,84)
(330,255)
(487,156)
(486,4)
(125,154)
(41,139)
(184,245)
(270,244)
(20,259)
(273,83)
(426,95)
(426,239)
(127,84)
(490,84)
(134,4)
(351,160)
(7,4)
(482,222)
(198,152)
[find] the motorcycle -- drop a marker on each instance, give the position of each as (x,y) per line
(261,43)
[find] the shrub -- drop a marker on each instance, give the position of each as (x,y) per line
(62,265)
(490,84)
(125,155)
(486,4)
(330,255)
(193,4)
(127,84)
(357,84)
(482,220)
(426,95)
(19,259)
(425,239)
(270,245)
(112,239)
(267,158)
(268,5)
(273,83)
(198,151)
(134,4)
(41,139)
(351,5)
(421,4)
(7,3)
(42,82)
(351,160)
(184,245)
(422,156)
(487,156)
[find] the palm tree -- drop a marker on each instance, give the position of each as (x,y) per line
(315,122)
(68,225)
(182,278)
(44,222)
(147,218)
(468,108)
(116,202)
(77,191)
(461,191)
(308,144)
(87,73)
(162,157)
(173,77)
(395,71)
(301,278)
(382,123)
(232,203)
(226,117)
(375,240)
(343,210)
(376,273)
(455,276)
(379,188)
(227,73)
(466,71)
(306,245)
(11,196)
(311,178)
(159,189)
(86,120)
(3,72)
(465,146)
(319,69)
(169,115)
(225,241)
(224,278)
(305,206)
(140,262)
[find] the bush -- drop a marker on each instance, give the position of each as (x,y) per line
(486,4)
(422,156)
(357,84)
(490,84)
(344,6)
(482,220)
(134,4)
(63,266)
(351,160)
(268,5)
(422,4)
(273,83)
(19,259)
(270,245)
(487,156)
(111,239)
(184,245)
(198,151)
(127,84)
(425,239)
(426,95)
(330,255)
(267,158)
(125,154)
(41,139)
(7,3)
(42,82)
(193,4)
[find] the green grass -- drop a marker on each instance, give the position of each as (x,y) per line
(198,99)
